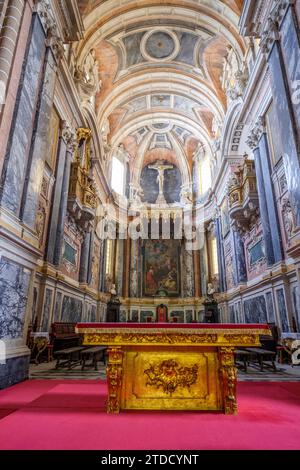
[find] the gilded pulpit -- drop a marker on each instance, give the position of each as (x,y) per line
(171,366)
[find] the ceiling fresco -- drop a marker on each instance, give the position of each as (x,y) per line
(160,65)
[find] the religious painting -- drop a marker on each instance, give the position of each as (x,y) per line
(161,268)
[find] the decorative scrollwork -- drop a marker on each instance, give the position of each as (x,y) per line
(135,338)
(114,378)
(169,375)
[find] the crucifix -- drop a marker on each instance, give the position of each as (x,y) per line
(160,167)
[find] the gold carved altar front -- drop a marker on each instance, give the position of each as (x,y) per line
(163,368)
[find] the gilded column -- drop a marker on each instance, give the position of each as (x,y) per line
(228,377)
(114,374)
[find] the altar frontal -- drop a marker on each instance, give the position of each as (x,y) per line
(171,367)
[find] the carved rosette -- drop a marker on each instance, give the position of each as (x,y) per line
(114,372)
(228,377)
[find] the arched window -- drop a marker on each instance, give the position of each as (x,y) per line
(204,176)
(213,251)
(118,176)
(109,258)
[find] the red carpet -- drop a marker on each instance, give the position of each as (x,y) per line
(65,415)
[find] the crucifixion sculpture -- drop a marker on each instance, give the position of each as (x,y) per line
(161,167)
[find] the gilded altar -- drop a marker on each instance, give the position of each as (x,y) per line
(171,366)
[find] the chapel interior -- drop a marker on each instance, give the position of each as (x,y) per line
(149,173)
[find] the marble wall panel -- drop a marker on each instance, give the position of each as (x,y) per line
(93,313)
(71,310)
(135,316)
(147,313)
(14,371)
(47,309)
(188,281)
(40,143)
(270,307)
(123,315)
(22,127)
(296,304)
(256,310)
(291,54)
(282,310)
(177,313)
(14,287)
(285,129)
(232,314)
(189,316)
(57,308)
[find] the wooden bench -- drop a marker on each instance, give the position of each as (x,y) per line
(244,356)
(98,353)
(263,355)
(71,357)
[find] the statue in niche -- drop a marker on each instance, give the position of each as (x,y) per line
(87,78)
(186,196)
(199,150)
(108,283)
(137,194)
(288,218)
(235,75)
(40,222)
(210,290)
(95,268)
(113,290)
(124,155)
(105,131)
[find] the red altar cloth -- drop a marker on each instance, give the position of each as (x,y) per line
(220,326)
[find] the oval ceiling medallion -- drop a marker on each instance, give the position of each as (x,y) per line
(160,45)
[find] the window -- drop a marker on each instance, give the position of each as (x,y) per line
(214,267)
(205,176)
(108,261)
(117,176)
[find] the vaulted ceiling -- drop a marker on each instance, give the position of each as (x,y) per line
(161,63)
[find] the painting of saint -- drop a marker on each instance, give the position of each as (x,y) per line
(150,281)
(161,267)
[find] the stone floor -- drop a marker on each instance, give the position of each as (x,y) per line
(285,373)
